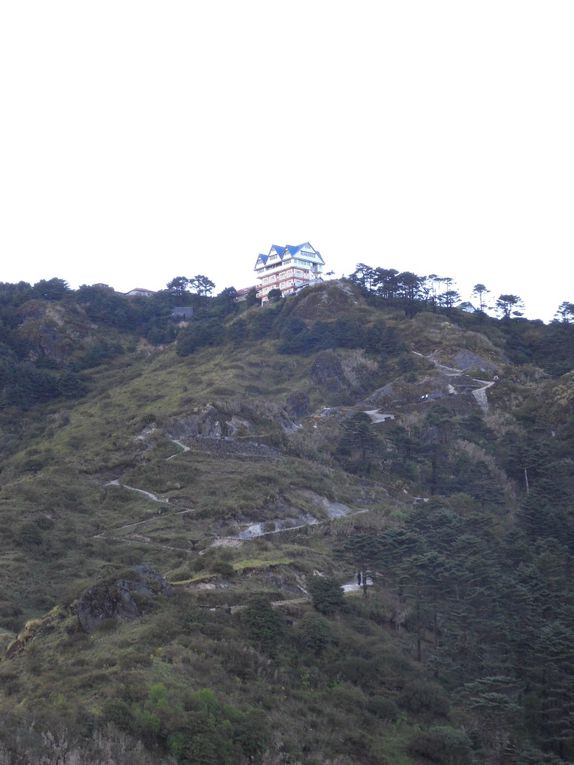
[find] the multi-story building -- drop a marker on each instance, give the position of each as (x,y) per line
(288,269)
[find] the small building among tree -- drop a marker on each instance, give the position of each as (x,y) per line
(182,313)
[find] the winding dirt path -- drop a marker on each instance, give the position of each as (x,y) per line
(479,394)
(182,446)
(143,541)
(150,495)
(111,532)
(255,530)
(251,532)
(135,524)
(377,416)
(350,588)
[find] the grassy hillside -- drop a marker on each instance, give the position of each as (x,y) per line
(257,468)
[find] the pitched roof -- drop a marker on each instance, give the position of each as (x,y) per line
(293,249)
(288,250)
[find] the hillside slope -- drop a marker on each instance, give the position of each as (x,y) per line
(174,535)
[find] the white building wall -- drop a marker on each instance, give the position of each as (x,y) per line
(288,274)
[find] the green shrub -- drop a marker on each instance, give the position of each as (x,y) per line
(29,535)
(442,744)
(223,567)
(217,734)
(357,670)
(264,625)
(383,708)
(326,594)
(347,697)
(423,696)
(135,659)
(118,712)
(314,633)
(200,334)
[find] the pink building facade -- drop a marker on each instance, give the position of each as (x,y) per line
(288,269)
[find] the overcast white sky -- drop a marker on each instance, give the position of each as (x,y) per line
(144,140)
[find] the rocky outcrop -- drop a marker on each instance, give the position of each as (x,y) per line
(211,421)
(468,360)
(344,375)
(327,373)
(122,599)
(231,420)
(207,422)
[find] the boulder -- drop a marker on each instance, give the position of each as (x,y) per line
(121,599)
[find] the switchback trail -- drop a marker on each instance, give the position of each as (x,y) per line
(182,446)
(108,533)
(256,530)
(479,394)
(150,495)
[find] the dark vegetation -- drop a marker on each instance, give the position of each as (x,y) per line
(459,649)
(548,346)
(36,365)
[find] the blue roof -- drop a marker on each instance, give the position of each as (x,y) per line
(289,249)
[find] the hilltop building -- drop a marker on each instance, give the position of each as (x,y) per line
(288,269)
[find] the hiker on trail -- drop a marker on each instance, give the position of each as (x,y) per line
(359,578)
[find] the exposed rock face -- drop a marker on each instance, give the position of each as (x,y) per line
(231,419)
(211,422)
(121,599)
(466,359)
(237,426)
(207,423)
(345,375)
(44,329)
(327,372)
